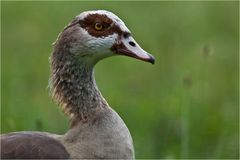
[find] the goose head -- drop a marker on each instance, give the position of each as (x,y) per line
(94,35)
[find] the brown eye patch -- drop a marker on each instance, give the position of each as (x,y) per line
(108,26)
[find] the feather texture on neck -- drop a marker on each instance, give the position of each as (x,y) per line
(72,83)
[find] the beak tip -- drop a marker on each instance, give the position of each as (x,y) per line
(151,60)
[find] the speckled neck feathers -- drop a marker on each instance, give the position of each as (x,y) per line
(73,86)
(77,49)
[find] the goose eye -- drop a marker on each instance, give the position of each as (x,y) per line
(98,26)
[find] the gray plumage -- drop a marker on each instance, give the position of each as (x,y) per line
(96,130)
(31,145)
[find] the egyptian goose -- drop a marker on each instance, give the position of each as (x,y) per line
(96,130)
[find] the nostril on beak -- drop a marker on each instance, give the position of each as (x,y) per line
(132,44)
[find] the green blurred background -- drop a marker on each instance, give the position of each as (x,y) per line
(184,106)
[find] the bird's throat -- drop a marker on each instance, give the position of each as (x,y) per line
(73,86)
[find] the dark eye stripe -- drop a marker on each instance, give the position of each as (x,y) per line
(109,28)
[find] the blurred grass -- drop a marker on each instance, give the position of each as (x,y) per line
(184,106)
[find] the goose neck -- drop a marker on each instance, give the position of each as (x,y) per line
(73,86)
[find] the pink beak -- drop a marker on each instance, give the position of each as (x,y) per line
(129,47)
